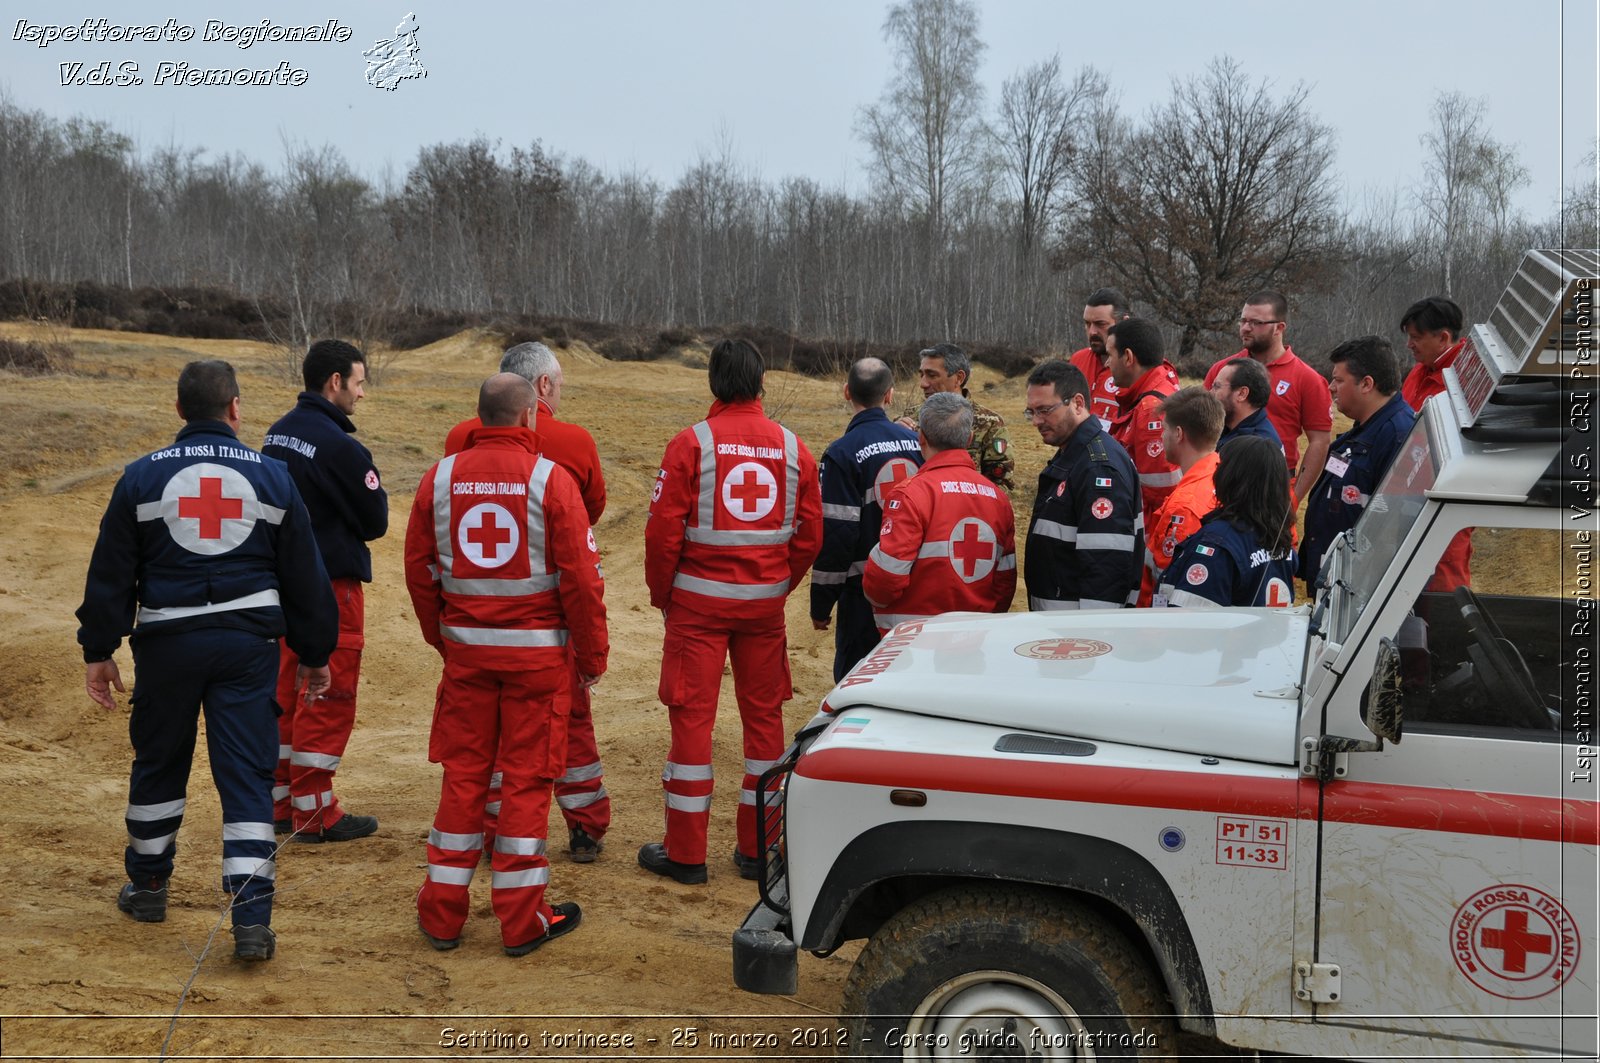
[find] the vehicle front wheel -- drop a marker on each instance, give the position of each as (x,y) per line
(1003,973)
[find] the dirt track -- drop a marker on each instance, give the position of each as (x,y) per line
(352,976)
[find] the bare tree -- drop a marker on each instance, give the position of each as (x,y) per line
(926,132)
(1040,122)
(1468,179)
(1224,190)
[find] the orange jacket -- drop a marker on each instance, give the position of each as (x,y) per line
(1178,519)
(948,543)
(501,564)
(1138,428)
(735,516)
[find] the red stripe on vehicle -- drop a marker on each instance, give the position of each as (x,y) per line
(1373,804)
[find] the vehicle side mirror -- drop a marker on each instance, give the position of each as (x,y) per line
(1385,699)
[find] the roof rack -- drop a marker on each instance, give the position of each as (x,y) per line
(1528,374)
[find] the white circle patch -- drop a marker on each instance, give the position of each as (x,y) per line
(1278,593)
(209,509)
(973,549)
(750,491)
(488,535)
(894,472)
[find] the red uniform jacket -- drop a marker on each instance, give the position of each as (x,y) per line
(735,515)
(1421,384)
(1102,389)
(1178,519)
(948,544)
(1138,428)
(568,445)
(501,564)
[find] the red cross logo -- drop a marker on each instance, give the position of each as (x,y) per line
(1278,593)
(210,507)
(972,549)
(488,535)
(1101,508)
(1515,941)
(894,472)
(750,491)
(1067,649)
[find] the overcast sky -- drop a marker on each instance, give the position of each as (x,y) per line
(650,85)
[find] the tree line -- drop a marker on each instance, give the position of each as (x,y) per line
(983,224)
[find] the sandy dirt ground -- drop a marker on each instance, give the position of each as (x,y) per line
(352,976)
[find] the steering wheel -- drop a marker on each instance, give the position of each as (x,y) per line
(1504,674)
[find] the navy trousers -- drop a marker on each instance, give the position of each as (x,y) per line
(855,632)
(232,675)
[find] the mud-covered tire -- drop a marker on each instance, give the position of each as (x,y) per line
(1003,972)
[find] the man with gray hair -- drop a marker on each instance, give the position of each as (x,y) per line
(581,792)
(945,368)
(871,459)
(948,540)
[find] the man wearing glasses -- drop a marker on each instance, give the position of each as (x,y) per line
(946,367)
(1299,393)
(1085,544)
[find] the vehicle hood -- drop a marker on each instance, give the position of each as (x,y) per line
(1218,682)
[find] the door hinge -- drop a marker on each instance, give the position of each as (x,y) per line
(1317,983)
(1328,757)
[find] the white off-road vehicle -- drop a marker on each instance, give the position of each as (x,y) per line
(1362,828)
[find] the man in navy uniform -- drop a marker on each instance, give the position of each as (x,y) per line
(349,509)
(1365,384)
(206,556)
(859,470)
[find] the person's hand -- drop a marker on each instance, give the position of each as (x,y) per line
(98,679)
(906,422)
(821,625)
(312,682)
(587,681)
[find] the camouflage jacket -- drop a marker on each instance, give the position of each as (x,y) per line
(990,449)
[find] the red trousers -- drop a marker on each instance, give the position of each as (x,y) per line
(478,712)
(312,734)
(581,790)
(694,651)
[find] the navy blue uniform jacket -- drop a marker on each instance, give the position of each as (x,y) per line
(207,533)
(1224,564)
(1338,499)
(349,507)
(1086,536)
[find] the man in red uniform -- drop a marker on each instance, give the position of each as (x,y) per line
(1432,327)
(1299,399)
(580,792)
(349,508)
(1143,379)
(735,521)
(1104,308)
(1192,422)
(505,580)
(948,540)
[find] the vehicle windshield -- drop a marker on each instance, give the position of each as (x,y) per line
(1370,546)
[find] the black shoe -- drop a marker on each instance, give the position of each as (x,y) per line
(254,943)
(441,944)
(146,904)
(583,848)
(565,918)
(282,826)
(653,857)
(348,829)
(750,867)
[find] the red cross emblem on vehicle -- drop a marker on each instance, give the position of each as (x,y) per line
(973,549)
(1515,942)
(209,508)
(750,491)
(488,535)
(1065,649)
